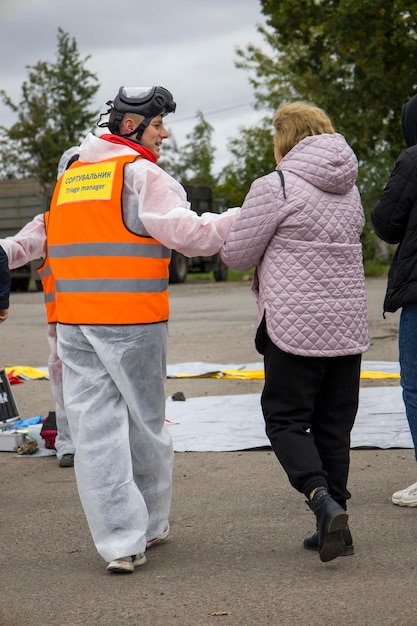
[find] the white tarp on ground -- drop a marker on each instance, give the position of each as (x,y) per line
(227,423)
(185,370)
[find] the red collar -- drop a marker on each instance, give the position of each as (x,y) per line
(145,152)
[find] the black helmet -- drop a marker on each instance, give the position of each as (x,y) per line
(146,101)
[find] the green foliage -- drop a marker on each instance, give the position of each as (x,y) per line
(232,276)
(354,58)
(192,165)
(253,156)
(375,269)
(171,159)
(53,114)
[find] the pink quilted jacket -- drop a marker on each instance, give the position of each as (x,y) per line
(303,237)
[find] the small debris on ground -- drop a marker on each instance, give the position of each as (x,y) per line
(178,396)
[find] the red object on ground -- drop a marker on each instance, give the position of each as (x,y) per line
(13,379)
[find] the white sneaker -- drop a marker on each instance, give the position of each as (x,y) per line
(139,559)
(406,497)
(159,538)
(126,564)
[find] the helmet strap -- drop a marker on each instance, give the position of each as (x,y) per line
(115,124)
(139,130)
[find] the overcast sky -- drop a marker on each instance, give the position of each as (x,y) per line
(187,46)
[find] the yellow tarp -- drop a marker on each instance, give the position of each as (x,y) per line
(26,372)
(379,375)
(32,373)
(259,375)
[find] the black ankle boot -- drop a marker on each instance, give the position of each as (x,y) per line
(312,542)
(331,520)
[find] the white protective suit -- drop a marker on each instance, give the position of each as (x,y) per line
(29,245)
(114,376)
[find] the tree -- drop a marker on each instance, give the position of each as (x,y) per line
(193,163)
(171,159)
(353,58)
(52,115)
(253,157)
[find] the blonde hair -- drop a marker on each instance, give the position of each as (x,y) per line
(294,121)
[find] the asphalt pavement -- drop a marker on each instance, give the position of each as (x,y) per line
(235,555)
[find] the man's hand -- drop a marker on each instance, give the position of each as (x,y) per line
(3,315)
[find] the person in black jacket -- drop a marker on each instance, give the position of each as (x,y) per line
(395,221)
(5,282)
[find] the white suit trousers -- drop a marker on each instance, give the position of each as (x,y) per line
(114,393)
(63,441)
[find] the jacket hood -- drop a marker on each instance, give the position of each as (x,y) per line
(326,161)
(409,121)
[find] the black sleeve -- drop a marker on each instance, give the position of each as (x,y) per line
(5,280)
(391,214)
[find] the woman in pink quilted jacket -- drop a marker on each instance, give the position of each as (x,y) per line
(300,227)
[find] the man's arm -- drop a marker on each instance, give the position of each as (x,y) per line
(28,244)
(162,207)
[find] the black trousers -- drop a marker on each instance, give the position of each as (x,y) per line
(309,405)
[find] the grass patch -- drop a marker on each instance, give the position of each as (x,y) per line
(208,277)
(375,269)
(234,275)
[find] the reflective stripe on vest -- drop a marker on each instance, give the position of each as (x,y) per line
(104,273)
(48,284)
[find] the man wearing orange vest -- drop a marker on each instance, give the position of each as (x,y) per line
(114,218)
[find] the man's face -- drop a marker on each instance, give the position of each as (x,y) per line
(154,134)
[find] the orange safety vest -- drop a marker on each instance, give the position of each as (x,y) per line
(104,273)
(48,283)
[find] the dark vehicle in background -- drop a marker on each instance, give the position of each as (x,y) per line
(201,199)
(22,199)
